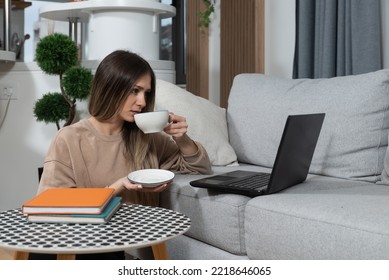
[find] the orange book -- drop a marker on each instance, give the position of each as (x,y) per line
(69,201)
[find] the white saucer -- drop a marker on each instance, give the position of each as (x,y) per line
(150,178)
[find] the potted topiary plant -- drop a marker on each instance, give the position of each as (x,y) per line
(57,54)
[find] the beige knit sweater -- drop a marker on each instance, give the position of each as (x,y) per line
(80,156)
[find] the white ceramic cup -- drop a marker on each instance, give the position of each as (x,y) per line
(152,122)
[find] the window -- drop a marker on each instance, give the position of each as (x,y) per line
(172,39)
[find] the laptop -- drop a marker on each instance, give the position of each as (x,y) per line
(291,166)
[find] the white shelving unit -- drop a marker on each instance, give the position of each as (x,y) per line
(113,24)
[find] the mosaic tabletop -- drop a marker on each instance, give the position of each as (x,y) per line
(132,226)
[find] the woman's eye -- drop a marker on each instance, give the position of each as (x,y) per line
(135,90)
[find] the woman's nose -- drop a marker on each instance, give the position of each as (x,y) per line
(141,99)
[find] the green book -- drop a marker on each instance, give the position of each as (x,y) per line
(102,218)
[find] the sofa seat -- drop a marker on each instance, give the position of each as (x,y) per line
(322,218)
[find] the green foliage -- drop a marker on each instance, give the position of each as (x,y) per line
(77,82)
(51,108)
(205,17)
(56,53)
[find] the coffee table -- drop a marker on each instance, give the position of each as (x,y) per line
(133,226)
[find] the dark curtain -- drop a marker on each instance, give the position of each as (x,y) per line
(337,38)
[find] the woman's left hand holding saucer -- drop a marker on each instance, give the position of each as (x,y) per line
(134,186)
(124,183)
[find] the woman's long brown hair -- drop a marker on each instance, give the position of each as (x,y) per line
(113,82)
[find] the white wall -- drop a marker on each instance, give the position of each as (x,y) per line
(279,43)
(279,37)
(23,141)
(214,56)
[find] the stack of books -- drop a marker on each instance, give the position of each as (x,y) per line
(72,205)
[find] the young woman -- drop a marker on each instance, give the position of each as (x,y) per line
(100,151)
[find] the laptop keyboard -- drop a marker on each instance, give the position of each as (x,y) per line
(253,182)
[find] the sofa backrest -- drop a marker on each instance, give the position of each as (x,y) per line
(354,135)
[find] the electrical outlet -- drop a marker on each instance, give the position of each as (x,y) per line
(7,90)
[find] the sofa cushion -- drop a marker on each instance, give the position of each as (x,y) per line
(207,122)
(216,218)
(354,136)
(322,218)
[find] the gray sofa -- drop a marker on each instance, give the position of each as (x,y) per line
(340,212)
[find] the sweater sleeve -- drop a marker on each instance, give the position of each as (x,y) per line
(171,158)
(57,168)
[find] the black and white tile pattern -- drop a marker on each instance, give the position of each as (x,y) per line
(132,226)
